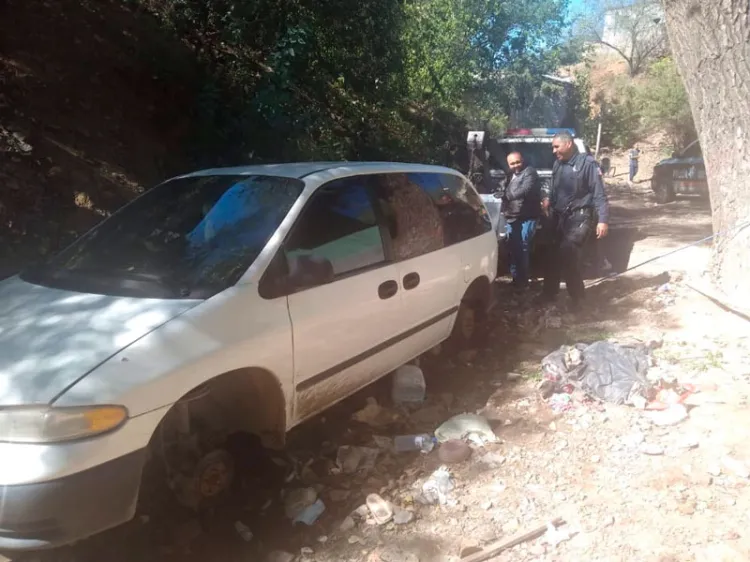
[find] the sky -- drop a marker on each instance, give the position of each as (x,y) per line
(576,7)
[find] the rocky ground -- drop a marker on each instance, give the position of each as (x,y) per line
(628,487)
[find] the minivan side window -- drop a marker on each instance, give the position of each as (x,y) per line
(336,234)
(413,220)
(431,211)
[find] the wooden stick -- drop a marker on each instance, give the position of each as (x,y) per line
(720,302)
(497,547)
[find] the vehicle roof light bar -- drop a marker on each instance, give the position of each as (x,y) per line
(538,132)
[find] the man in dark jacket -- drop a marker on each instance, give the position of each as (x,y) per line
(576,197)
(521,207)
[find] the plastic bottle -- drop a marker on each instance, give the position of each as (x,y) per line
(243,531)
(423,442)
(408,385)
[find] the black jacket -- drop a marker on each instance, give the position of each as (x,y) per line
(523,195)
(587,190)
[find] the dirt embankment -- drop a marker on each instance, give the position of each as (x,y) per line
(94,105)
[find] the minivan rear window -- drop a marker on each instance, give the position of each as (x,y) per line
(189,237)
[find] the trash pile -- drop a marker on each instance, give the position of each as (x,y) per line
(618,373)
(312,485)
(604,371)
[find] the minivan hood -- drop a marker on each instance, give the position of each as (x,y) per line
(50,338)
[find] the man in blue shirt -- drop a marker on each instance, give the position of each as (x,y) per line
(575,197)
(633,156)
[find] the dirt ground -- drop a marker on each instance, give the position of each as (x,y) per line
(628,490)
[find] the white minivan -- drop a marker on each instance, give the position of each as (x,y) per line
(235,299)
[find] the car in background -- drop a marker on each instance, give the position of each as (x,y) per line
(682,174)
(228,300)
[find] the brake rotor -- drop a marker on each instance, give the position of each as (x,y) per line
(214,474)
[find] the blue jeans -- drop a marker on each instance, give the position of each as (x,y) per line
(520,233)
(633,169)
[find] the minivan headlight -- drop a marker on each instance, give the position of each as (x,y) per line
(45,424)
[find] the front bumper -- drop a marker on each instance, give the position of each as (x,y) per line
(59,512)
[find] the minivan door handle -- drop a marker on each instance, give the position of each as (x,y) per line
(411,280)
(387,289)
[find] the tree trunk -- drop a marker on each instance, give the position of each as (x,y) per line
(711,44)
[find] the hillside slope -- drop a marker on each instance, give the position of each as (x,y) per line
(92,108)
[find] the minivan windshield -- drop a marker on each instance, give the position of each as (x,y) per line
(189,237)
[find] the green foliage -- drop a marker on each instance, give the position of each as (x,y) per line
(585,122)
(374,79)
(664,103)
(620,116)
(656,102)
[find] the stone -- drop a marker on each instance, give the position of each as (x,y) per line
(280,556)
(633,440)
(673,415)
(698,479)
(719,552)
(652,449)
(395,554)
(687,508)
(492,460)
(454,451)
(402,516)
(347,524)
(736,467)
(688,442)
(511,526)
(468,547)
(338,496)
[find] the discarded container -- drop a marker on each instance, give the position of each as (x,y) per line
(438,487)
(379,508)
(408,385)
(423,442)
(243,531)
(297,501)
(466,426)
(310,514)
(454,451)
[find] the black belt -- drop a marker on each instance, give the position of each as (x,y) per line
(568,212)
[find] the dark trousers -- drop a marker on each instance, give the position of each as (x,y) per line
(570,231)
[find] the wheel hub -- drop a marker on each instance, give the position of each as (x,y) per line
(214,474)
